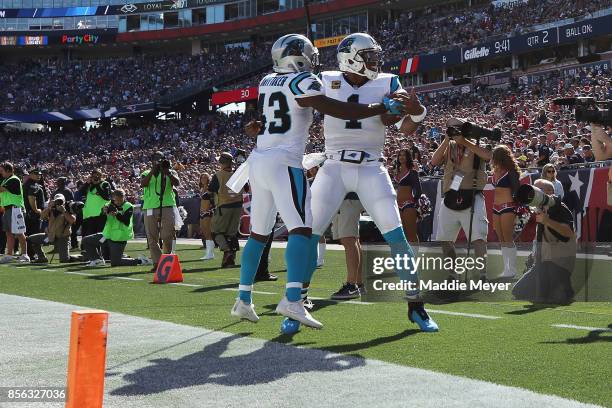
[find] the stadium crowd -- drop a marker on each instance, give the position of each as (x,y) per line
(35,85)
(537,131)
(447,26)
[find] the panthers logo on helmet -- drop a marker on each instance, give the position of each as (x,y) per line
(295,47)
(345,45)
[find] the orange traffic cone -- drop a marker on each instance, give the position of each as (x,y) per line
(168,270)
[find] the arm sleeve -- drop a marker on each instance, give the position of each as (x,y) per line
(126,216)
(213,186)
(305,85)
(395,84)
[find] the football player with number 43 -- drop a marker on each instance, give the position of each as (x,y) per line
(354,160)
(287,98)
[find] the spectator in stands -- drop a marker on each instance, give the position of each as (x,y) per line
(570,155)
(549,172)
(587,154)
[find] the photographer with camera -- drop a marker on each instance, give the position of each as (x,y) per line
(34,202)
(97,194)
(13,223)
(464,162)
(61,216)
(118,230)
(548,279)
(226,218)
(159,204)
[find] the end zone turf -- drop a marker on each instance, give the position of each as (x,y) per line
(522,346)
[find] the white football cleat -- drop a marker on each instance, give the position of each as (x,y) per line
(96,262)
(24,258)
(245,311)
(297,311)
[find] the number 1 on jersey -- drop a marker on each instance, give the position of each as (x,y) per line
(353,124)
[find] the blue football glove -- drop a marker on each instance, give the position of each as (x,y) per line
(393,106)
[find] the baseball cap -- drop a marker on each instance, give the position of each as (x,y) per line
(59,196)
(568,146)
(35,171)
(226,156)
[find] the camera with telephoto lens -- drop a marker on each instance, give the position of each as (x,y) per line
(111,208)
(75,207)
(164,164)
(471,130)
(534,197)
(586,109)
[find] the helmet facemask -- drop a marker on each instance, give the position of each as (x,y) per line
(371,60)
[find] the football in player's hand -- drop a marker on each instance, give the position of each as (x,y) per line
(411,101)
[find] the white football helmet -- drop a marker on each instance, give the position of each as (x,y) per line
(294,53)
(360,54)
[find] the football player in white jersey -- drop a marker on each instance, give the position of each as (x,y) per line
(287,98)
(354,157)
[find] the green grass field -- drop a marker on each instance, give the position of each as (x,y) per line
(521,348)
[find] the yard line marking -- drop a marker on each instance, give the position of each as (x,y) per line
(126,278)
(253,291)
(571,326)
(478,316)
(81,273)
(187,284)
(48,270)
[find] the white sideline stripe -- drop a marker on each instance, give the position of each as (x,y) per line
(476,315)
(186,284)
(48,270)
(253,291)
(352,302)
(126,278)
(139,348)
(571,326)
(81,273)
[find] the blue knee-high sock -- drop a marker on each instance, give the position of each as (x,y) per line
(400,246)
(296,257)
(249,262)
(313,248)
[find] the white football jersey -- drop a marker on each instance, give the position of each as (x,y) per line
(286,123)
(368,134)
